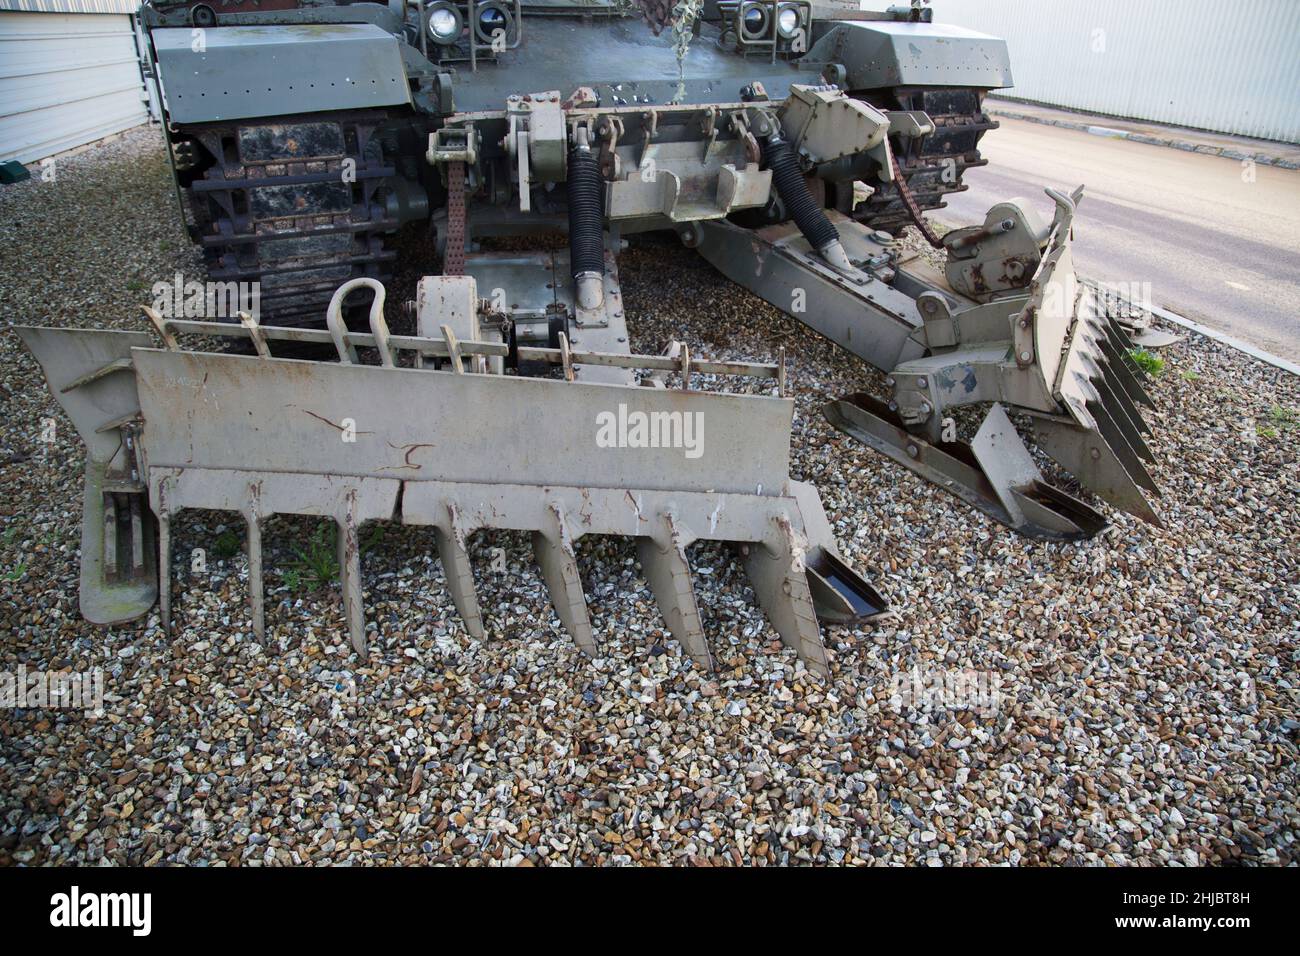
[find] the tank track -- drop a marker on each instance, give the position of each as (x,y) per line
(934,167)
(295,203)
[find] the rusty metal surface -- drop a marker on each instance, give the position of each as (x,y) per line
(453,260)
(913,211)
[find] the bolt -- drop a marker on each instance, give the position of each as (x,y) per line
(893,406)
(913,451)
(1025,356)
(920,382)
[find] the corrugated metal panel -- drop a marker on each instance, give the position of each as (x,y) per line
(71,6)
(65,80)
(1207,64)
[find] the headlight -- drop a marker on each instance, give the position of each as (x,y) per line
(753,21)
(491,17)
(787,21)
(445,23)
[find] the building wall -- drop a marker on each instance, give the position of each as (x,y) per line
(1230,67)
(66,79)
(71,6)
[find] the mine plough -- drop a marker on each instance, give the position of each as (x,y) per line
(169,429)
(518,403)
(1008,325)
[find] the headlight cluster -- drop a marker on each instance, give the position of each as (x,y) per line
(445,21)
(489,18)
(768,25)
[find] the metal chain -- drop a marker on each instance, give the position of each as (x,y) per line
(900,181)
(453,259)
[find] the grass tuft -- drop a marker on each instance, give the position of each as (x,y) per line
(1153,365)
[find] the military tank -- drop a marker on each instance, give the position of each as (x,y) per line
(260,111)
(787,141)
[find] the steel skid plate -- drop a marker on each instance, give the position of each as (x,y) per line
(89,373)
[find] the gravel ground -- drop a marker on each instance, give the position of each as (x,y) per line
(1147,709)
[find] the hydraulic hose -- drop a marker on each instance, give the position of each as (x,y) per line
(586,213)
(808,214)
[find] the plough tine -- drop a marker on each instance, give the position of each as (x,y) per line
(256,593)
(459,571)
(1115,438)
(256,596)
(555,556)
(777,575)
(350,575)
(1121,410)
(1084,453)
(1119,335)
(1128,382)
(165,571)
(669,575)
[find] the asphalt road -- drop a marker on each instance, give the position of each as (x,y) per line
(1214,246)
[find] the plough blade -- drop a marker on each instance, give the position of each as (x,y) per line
(1098,387)
(459,451)
(994,473)
(1007,324)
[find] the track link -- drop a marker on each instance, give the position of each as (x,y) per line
(934,167)
(297,204)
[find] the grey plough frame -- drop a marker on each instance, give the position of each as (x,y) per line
(1034,340)
(451,450)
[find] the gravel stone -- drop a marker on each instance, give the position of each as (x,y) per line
(1148,707)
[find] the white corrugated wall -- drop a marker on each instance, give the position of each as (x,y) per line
(1232,66)
(66,79)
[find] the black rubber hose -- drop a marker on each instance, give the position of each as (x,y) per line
(808,214)
(586,213)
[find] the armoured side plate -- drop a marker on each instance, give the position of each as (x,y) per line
(884,54)
(242,72)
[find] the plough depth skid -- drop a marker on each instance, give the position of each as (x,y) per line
(453,450)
